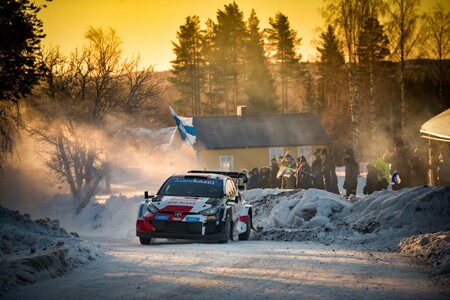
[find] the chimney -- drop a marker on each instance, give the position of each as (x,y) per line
(242,110)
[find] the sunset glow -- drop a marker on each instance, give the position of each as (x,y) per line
(147,27)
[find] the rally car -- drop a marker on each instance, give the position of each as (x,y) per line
(200,205)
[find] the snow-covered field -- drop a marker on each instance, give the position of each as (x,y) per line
(412,221)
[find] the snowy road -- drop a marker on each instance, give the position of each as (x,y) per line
(237,270)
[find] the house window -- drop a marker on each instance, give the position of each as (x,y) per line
(226,163)
(275,151)
(306,152)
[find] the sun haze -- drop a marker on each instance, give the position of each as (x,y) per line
(147,27)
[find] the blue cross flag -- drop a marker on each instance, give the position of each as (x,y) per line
(185,127)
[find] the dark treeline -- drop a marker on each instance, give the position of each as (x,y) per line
(382,69)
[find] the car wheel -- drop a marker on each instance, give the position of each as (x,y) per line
(145,241)
(226,231)
(246,235)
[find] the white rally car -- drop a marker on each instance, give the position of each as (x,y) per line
(201,205)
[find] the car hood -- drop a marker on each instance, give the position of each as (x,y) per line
(182,204)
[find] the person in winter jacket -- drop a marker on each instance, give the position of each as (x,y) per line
(377,176)
(443,171)
(254,182)
(329,173)
(351,172)
(274,168)
(265,177)
(400,164)
(303,174)
(316,170)
(419,168)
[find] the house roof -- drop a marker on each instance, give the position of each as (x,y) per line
(221,132)
(438,127)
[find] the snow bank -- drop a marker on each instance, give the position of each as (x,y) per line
(378,221)
(34,250)
(433,249)
(414,220)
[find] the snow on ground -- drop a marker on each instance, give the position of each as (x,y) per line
(35,250)
(415,221)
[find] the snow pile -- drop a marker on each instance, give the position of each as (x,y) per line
(431,248)
(34,250)
(378,221)
(414,220)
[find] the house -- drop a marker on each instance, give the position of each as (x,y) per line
(232,143)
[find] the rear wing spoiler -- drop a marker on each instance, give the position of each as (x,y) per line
(239,178)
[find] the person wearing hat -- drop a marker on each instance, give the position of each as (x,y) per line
(329,173)
(400,165)
(419,168)
(303,174)
(443,171)
(351,172)
(316,170)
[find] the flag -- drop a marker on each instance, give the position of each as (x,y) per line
(185,127)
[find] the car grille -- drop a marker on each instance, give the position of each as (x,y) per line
(183,227)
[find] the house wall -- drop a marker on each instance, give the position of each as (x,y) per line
(243,158)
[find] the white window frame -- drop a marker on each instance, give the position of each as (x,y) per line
(306,151)
(275,151)
(226,163)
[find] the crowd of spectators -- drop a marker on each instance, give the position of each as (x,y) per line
(397,168)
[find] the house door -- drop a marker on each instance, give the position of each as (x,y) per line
(226,163)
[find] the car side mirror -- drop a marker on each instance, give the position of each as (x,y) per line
(148,197)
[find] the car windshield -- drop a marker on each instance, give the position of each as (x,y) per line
(192,187)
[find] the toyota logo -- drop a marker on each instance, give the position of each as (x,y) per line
(177,214)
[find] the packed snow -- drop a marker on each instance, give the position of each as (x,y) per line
(415,221)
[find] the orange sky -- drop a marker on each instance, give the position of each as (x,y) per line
(147,27)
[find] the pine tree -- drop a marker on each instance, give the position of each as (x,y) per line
(259,88)
(284,42)
(372,48)
(20,38)
(228,53)
(188,67)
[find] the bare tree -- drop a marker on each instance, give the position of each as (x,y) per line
(81,96)
(436,44)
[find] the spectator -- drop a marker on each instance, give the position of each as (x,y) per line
(329,173)
(443,170)
(274,168)
(419,170)
(254,182)
(265,177)
(285,173)
(316,170)
(377,176)
(351,172)
(304,178)
(400,164)
(290,176)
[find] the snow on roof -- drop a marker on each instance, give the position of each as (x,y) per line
(438,127)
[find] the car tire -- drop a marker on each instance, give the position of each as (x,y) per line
(246,235)
(226,231)
(145,241)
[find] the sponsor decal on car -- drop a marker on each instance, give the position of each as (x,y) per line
(181,202)
(161,217)
(192,219)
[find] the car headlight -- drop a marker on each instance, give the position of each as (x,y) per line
(151,208)
(209,211)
